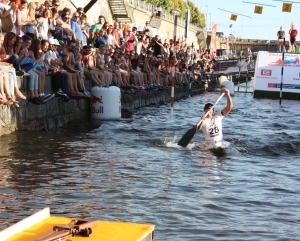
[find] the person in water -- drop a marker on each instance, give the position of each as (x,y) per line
(211,124)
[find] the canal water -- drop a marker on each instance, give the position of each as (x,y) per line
(132,170)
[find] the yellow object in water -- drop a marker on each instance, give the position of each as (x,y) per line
(104,231)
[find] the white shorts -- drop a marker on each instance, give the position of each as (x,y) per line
(280,40)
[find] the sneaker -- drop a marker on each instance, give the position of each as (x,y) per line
(85,95)
(66,99)
(35,101)
(60,94)
(46,97)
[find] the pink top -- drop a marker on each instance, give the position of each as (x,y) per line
(130,43)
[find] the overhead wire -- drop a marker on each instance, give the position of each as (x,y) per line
(266,20)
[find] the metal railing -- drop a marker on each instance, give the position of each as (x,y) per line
(251,41)
(165,15)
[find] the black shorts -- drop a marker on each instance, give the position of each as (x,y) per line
(293,40)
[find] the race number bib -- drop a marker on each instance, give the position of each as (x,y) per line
(213,131)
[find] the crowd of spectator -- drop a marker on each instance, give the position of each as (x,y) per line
(44,40)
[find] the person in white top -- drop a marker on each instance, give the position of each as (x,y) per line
(43,24)
(211,124)
(111,43)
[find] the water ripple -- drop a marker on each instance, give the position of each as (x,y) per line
(133,170)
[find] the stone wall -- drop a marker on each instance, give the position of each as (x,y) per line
(49,117)
(56,113)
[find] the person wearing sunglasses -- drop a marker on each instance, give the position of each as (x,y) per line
(80,12)
(55,3)
(64,27)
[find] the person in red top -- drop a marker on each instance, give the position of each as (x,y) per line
(116,34)
(293,34)
(130,41)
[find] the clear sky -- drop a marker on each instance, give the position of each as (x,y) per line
(259,26)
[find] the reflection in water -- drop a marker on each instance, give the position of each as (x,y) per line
(132,170)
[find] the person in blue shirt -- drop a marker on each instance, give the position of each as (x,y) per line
(76,28)
(102,39)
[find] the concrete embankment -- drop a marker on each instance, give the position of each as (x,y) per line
(56,113)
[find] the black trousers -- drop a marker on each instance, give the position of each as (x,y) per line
(59,81)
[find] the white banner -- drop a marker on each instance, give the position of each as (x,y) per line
(267,75)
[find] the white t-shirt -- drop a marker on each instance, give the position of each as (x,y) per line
(3,7)
(111,40)
(43,28)
(212,128)
(50,55)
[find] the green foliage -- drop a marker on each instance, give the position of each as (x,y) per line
(197,18)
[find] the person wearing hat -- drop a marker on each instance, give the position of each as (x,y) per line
(211,124)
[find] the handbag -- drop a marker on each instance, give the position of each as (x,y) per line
(28,64)
(7,24)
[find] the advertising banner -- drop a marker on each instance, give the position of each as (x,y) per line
(268,68)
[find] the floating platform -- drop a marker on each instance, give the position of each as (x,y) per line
(40,224)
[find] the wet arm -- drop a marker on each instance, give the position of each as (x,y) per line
(229,105)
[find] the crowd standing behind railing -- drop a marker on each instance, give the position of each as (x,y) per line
(43,40)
